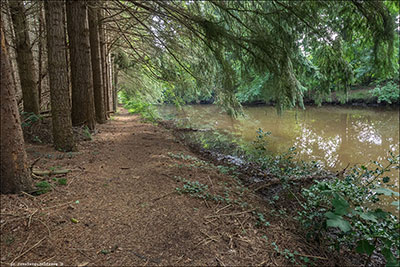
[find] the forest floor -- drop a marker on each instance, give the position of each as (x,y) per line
(120,207)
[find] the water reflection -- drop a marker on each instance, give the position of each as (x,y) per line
(334,136)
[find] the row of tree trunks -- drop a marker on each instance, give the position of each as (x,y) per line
(92,82)
(25,57)
(15,175)
(83,110)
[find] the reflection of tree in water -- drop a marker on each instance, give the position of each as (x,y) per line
(339,139)
(335,136)
(316,147)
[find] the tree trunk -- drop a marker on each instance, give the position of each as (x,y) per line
(115,87)
(10,43)
(40,52)
(15,175)
(83,111)
(58,74)
(103,51)
(25,61)
(96,65)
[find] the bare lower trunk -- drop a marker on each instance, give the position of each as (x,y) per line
(103,51)
(15,175)
(58,74)
(115,87)
(83,112)
(25,61)
(96,65)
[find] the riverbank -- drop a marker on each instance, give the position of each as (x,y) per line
(134,197)
(358,95)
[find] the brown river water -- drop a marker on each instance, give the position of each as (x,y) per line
(334,136)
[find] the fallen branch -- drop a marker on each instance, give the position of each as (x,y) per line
(50,172)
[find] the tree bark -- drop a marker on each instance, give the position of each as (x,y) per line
(104,61)
(83,111)
(15,175)
(96,65)
(25,61)
(10,43)
(115,87)
(40,52)
(58,74)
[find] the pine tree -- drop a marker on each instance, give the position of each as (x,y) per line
(83,112)
(25,61)
(58,73)
(15,175)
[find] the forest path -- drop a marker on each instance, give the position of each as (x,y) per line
(120,207)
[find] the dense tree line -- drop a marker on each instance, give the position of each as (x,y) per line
(78,57)
(74,53)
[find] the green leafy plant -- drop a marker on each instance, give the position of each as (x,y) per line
(42,187)
(289,255)
(146,110)
(261,221)
(29,118)
(87,133)
(345,212)
(62,181)
(388,93)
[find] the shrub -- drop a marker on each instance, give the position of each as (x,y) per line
(345,212)
(388,93)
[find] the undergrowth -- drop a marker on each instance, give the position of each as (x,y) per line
(339,212)
(147,111)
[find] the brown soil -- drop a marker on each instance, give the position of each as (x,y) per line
(121,207)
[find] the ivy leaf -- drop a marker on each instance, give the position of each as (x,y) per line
(380,213)
(363,246)
(396,203)
(368,216)
(386,191)
(340,204)
(337,221)
(331,215)
(389,257)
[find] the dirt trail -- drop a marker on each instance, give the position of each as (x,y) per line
(125,210)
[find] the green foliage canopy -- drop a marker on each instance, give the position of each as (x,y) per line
(276,49)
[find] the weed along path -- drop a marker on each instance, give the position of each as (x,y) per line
(136,196)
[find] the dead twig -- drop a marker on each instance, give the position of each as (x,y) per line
(34,162)
(84,254)
(158,198)
(220,261)
(57,206)
(29,195)
(210,237)
(30,217)
(230,214)
(227,206)
(311,256)
(34,246)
